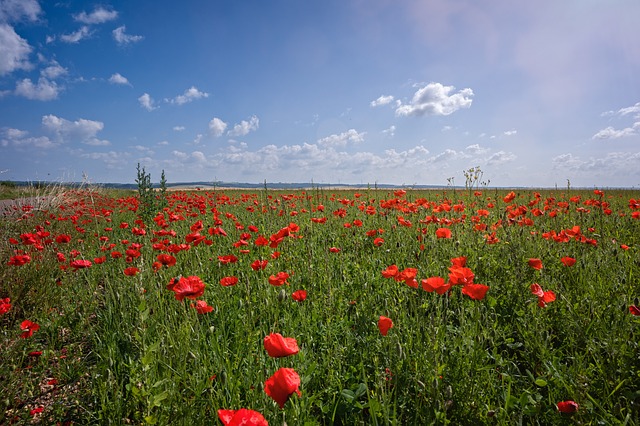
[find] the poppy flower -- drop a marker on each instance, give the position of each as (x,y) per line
(390,271)
(228,281)
(475,291)
(460,262)
(166,259)
(131,271)
(241,417)
(63,239)
(190,287)
(460,276)
(535,263)
(227,259)
(19,260)
(443,233)
(258,265)
(509,197)
(544,297)
(28,328)
(568,261)
(5,305)
(384,324)
(202,307)
(633,310)
(278,346)
(282,385)
(436,284)
(80,264)
(378,241)
(334,250)
(279,279)
(567,407)
(299,295)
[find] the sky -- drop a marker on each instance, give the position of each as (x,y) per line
(404,92)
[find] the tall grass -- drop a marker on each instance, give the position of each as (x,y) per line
(123,350)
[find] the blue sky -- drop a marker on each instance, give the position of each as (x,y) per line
(336,91)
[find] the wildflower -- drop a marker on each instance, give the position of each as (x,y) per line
(279,279)
(633,310)
(390,271)
(535,263)
(568,261)
(19,260)
(80,264)
(202,307)
(282,385)
(443,233)
(28,327)
(544,297)
(228,281)
(258,265)
(334,250)
(378,241)
(475,291)
(384,324)
(240,417)
(299,295)
(190,287)
(5,305)
(278,346)
(567,407)
(460,276)
(436,284)
(131,271)
(166,259)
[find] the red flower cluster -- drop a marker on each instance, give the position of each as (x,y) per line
(28,328)
(189,287)
(5,305)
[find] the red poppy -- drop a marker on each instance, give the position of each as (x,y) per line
(568,261)
(535,263)
(258,265)
(378,241)
(509,197)
(131,271)
(37,410)
(278,346)
(475,291)
(443,233)
(282,385)
(384,324)
(166,259)
(460,276)
(299,295)
(459,261)
(5,305)
(567,407)
(63,239)
(544,297)
(202,307)
(334,250)
(228,281)
(436,284)
(28,328)
(633,310)
(19,260)
(390,271)
(241,417)
(80,264)
(279,279)
(99,260)
(190,287)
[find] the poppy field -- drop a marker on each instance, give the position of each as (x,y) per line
(320,306)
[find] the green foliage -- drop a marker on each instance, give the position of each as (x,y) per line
(123,350)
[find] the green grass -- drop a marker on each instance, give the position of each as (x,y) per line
(123,350)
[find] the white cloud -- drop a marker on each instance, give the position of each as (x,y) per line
(391,131)
(53,71)
(76,36)
(382,100)
(14,51)
(500,157)
(118,78)
(244,127)
(98,16)
(217,127)
(81,130)
(178,128)
(163,143)
(510,132)
(16,138)
(147,102)
(613,163)
(611,133)
(15,10)
(435,99)
(476,149)
(189,95)
(123,39)
(112,159)
(45,90)
(635,109)
(342,139)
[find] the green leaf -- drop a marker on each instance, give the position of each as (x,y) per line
(541,382)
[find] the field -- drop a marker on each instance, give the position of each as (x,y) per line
(456,306)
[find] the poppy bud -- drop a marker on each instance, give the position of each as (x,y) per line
(282,296)
(223,376)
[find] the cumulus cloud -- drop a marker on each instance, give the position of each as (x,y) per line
(382,100)
(343,138)
(611,133)
(147,102)
(16,10)
(44,90)
(81,130)
(189,95)
(53,71)
(217,127)
(98,16)
(111,159)
(500,157)
(76,36)
(436,99)
(178,128)
(476,149)
(510,132)
(391,131)
(244,127)
(123,39)
(613,163)
(14,51)
(118,78)
(20,139)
